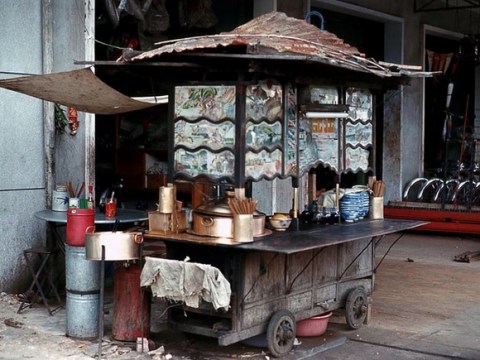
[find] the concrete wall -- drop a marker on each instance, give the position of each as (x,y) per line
(21,141)
(68,46)
(23,169)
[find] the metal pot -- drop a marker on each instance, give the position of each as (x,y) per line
(118,245)
(216,219)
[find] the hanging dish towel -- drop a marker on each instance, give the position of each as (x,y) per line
(185,281)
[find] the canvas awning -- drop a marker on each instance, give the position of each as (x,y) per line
(80,89)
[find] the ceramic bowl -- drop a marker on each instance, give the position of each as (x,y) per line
(280,224)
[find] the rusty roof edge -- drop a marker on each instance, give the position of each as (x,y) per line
(322,50)
(283,35)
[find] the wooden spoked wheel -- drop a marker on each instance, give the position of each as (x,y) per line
(356,308)
(281,333)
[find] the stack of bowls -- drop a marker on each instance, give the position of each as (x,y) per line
(354,206)
(364,204)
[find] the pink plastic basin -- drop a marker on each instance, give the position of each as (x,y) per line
(313,326)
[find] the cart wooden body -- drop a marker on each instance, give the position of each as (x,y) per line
(307,273)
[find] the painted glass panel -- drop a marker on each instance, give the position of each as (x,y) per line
(307,146)
(324,95)
(325,133)
(213,102)
(264,164)
(291,145)
(263,135)
(358,133)
(356,159)
(194,163)
(263,100)
(205,133)
(359,103)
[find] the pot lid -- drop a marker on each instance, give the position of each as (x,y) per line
(216,207)
(219,207)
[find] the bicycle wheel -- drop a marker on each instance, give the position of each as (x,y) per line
(444,194)
(464,193)
(428,191)
(412,188)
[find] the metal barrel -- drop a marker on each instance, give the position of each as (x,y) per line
(82,315)
(81,275)
(131,305)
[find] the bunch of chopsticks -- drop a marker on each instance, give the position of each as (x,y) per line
(77,192)
(242,206)
(376,186)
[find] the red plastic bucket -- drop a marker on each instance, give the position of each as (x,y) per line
(78,220)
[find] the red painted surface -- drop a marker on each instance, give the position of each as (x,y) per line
(131,305)
(78,222)
(441,221)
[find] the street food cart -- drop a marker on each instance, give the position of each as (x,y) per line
(262,116)
(282,278)
(272,99)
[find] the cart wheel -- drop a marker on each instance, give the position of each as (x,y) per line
(281,333)
(356,308)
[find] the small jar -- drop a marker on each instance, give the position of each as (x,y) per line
(60,198)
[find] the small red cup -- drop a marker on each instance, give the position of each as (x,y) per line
(111,208)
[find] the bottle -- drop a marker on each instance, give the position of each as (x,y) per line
(306,215)
(90,198)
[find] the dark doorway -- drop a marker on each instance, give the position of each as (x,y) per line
(449,120)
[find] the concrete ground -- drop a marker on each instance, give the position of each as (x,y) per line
(425,306)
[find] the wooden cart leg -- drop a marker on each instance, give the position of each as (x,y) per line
(369,310)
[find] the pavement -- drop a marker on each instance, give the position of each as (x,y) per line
(424,306)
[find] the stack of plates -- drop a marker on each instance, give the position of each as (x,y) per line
(354,206)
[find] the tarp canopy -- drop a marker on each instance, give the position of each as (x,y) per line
(80,89)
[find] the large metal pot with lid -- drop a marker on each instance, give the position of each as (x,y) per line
(216,219)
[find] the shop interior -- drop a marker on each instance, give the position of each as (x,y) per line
(449,107)
(131,148)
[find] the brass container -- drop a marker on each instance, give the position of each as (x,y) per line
(243,228)
(216,219)
(166,199)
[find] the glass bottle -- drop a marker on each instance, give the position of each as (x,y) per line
(306,216)
(90,198)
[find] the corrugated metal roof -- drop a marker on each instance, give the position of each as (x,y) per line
(284,35)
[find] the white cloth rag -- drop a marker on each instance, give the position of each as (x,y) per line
(185,281)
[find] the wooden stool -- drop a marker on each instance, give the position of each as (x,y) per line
(43,274)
